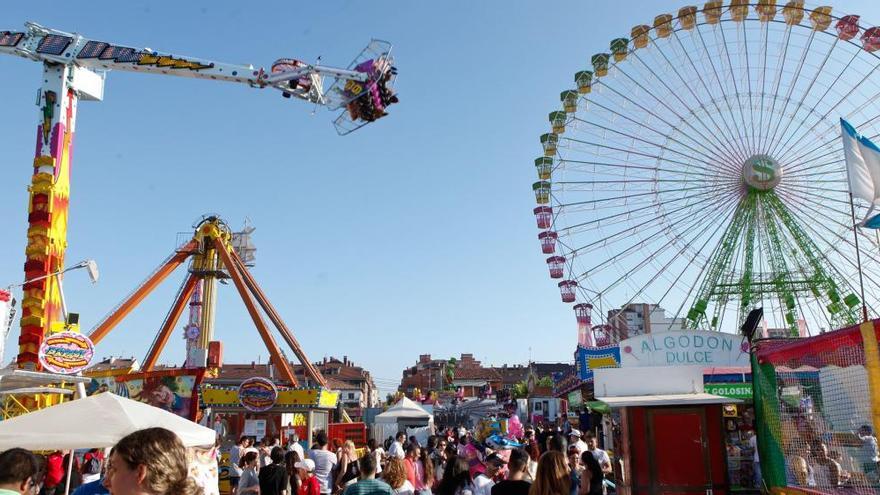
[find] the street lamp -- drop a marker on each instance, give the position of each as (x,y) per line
(91,267)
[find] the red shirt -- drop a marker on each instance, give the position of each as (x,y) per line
(410,471)
(55,469)
(310,486)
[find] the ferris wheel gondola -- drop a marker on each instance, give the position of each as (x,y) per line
(697,165)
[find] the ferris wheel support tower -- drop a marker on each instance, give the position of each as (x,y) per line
(74,69)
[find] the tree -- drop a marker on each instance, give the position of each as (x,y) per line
(520,390)
(545,382)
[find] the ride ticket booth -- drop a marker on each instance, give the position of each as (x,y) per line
(671,430)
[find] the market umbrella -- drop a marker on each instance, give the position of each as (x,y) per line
(95,422)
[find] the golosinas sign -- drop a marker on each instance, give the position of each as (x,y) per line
(684,348)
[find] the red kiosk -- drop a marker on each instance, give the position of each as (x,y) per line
(671,436)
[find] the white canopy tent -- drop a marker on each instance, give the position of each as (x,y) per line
(98,421)
(405,414)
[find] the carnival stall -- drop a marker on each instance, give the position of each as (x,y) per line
(401,416)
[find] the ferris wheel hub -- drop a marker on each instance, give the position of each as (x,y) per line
(762,172)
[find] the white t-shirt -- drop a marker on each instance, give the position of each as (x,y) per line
(324,462)
(405,489)
(396,450)
(601,456)
(296,447)
(378,454)
(483,485)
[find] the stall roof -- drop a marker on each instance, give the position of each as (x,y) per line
(666,400)
(13,379)
(406,409)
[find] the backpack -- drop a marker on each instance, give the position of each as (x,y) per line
(92,465)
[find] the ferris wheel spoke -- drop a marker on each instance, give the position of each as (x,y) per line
(777,81)
(836,136)
(834,246)
(625,151)
(637,167)
(689,222)
(672,218)
(809,211)
(630,196)
(725,141)
(785,148)
(748,76)
(819,70)
(792,84)
(628,214)
(666,105)
(809,190)
(702,81)
(687,86)
(733,78)
(716,157)
(655,145)
(696,227)
(711,59)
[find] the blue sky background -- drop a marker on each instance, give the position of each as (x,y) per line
(413,235)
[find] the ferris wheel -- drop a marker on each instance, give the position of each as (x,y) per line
(696,165)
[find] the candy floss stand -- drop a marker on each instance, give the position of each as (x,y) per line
(671,431)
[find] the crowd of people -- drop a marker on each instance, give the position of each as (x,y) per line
(549,462)
(152,461)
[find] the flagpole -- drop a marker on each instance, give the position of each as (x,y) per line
(852,209)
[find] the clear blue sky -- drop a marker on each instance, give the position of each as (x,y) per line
(413,235)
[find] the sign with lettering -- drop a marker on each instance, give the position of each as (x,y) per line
(257,394)
(685,348)
(66,353)
(732,390)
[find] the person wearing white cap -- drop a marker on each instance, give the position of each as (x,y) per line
(576,441)
(310,484)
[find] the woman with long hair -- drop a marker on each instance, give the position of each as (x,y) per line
(348,465)
(249,482)
(293,481)
(395,475)
(150,461)
(552,477)
(424,473)
(591,476)
(456,478)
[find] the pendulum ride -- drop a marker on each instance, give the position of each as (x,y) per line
(75,68)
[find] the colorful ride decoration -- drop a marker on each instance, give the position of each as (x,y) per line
(175,391)
(66,353)
(587,359)
(47,215)
(289,398)
(815,393)
(635,186)
(257,394)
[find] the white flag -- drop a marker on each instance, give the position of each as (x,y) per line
(862,166)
